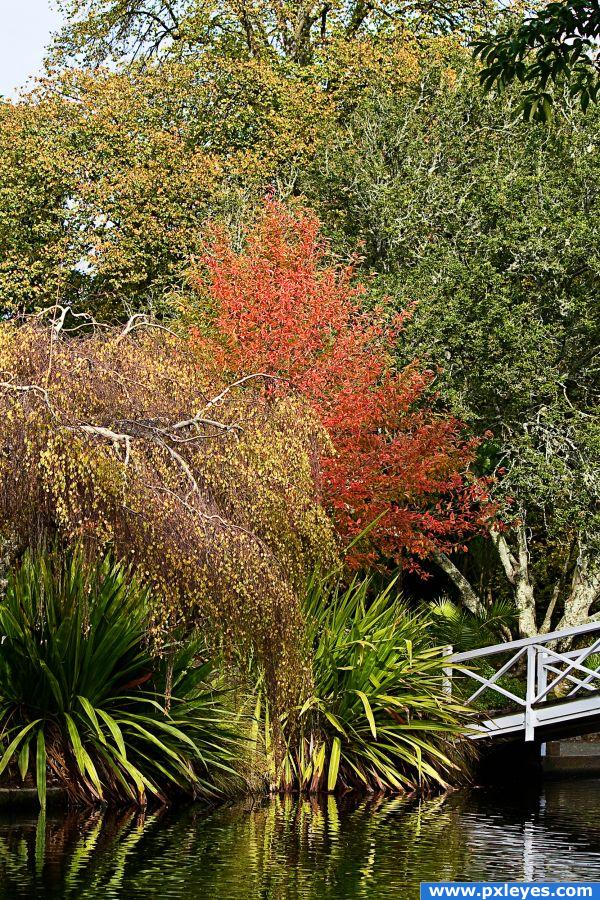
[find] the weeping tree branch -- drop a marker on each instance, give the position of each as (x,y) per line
(132,441)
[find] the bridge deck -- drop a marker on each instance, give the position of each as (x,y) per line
(551,721)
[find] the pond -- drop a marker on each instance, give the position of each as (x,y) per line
(306,849)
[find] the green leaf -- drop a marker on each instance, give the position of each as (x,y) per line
(91,714)
(584,100)
(319,760)
(53,682)
(76,743)
(115,731)
(151,738)
(90,768)
(10,750)
(334,763)
(368,712)
(23,760)
(308,704)
(137,777)
(334,721)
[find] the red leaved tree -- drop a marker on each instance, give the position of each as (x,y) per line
(279,307)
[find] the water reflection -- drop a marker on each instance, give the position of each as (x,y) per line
(306,849)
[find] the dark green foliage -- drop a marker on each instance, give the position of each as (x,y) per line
(455,626)
(485,227)
(82,695)
(552,45)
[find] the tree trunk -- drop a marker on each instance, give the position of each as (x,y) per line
(516,569)
(585,589)
(469,598)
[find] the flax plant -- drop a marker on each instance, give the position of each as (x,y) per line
(84,698)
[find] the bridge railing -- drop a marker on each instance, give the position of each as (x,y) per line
(545,669)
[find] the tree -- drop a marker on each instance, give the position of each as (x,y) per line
(117,439)
(490,225)
(485,227)
(551,46)
(106,180)
(277,306)
(123,30)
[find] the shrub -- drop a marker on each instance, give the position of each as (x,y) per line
(379,716)
(82,695)
(464,630)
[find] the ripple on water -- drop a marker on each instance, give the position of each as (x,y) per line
(304,850)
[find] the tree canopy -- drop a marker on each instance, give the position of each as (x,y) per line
(99,31)
(279,306)
(490,225)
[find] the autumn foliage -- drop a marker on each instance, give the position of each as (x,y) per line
(118,440)
(278,306)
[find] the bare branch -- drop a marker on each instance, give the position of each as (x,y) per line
(110,435)
(237,383)
(141,320)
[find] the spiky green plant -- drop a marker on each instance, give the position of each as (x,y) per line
(379,716)
(456,626)
(84,696)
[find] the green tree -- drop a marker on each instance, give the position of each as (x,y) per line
(489,225)
(107,179)
(114,30)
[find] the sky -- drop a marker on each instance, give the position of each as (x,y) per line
(24,35)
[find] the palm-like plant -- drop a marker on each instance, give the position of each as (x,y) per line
(82,694)
(464,630)
(379,716)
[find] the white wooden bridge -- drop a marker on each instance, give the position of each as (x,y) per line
(561,689)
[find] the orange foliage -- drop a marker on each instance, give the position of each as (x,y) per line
(279,307)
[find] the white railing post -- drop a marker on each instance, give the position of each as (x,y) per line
(542,671)
(447,682)
(531,693)
(542,682)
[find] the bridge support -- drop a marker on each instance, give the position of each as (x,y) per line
(530,695)
(509,762)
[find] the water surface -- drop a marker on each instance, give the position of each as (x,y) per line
(304,850)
